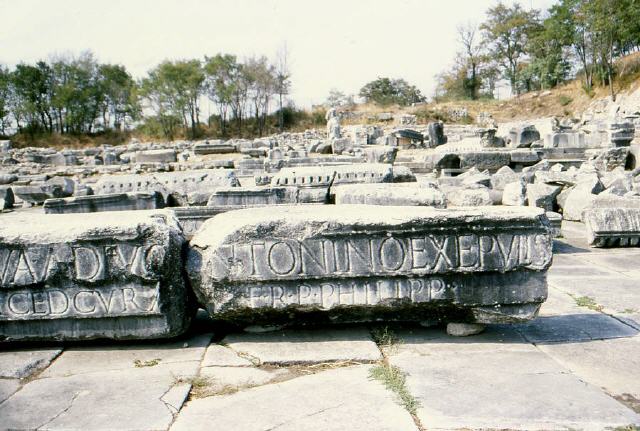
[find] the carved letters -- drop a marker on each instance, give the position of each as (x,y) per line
(485,288)
(78,302)
(35,264)
(270,259)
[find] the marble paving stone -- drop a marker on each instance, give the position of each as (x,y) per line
(502,389)
(8,387)
(615,294)
(307,346)
(221,356)
(426,341)
(127,399)
(577,266)
(584,326)
(339,399)
(560,303)
(19,364)
(616,262)
(611,364)
(97,359)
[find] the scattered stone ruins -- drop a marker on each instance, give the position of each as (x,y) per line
(432,223)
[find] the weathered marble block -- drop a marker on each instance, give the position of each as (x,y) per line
(412,194)
(613,227)
(99,203)
(360,262)
(85,276)
(240,197)
(178,188)
(156,156)
(192,218)
(340,174)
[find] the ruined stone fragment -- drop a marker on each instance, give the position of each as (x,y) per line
(85,276)
(360,262)
(99,203)
(613,227)
(413,194)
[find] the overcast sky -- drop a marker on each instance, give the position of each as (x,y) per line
(332,43)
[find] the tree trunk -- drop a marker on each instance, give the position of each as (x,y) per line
(280,115)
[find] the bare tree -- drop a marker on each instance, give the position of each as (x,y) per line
(283,80)
(468,38)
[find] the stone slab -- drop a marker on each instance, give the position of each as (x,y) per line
(581,326)
(88,360)
(505,389)
(338,399)
(175,187)
(320,258)
(306,346)
(222,356)
(92,276)
(610,364)
(614,293)
(22,363)
(413,194)
(242,197)
(612,227)
(8,387)
(319,176)
(139,398)
(108,202)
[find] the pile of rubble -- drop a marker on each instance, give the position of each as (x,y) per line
(359,223)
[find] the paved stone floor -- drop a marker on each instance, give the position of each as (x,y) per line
(575,367)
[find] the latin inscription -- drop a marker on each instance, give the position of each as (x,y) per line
(411,255)
(78,302)
(34,264)
(477,289)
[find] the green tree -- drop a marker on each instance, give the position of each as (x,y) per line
(506,32)
(282,81)
(33,92)
(119,101)
(76,93)
(385,91)
(220,72)
(5,99)
(173,90)
(262,80)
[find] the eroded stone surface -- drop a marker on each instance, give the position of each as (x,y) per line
(413,194)
(488,262)
(613,226)
(92,276)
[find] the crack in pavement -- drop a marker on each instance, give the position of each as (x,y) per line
(73,399)
(304,416)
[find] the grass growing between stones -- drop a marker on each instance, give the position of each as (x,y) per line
(150,363)
(588,302)
(385,339)
(392,377)
(201,386)
(395,380)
